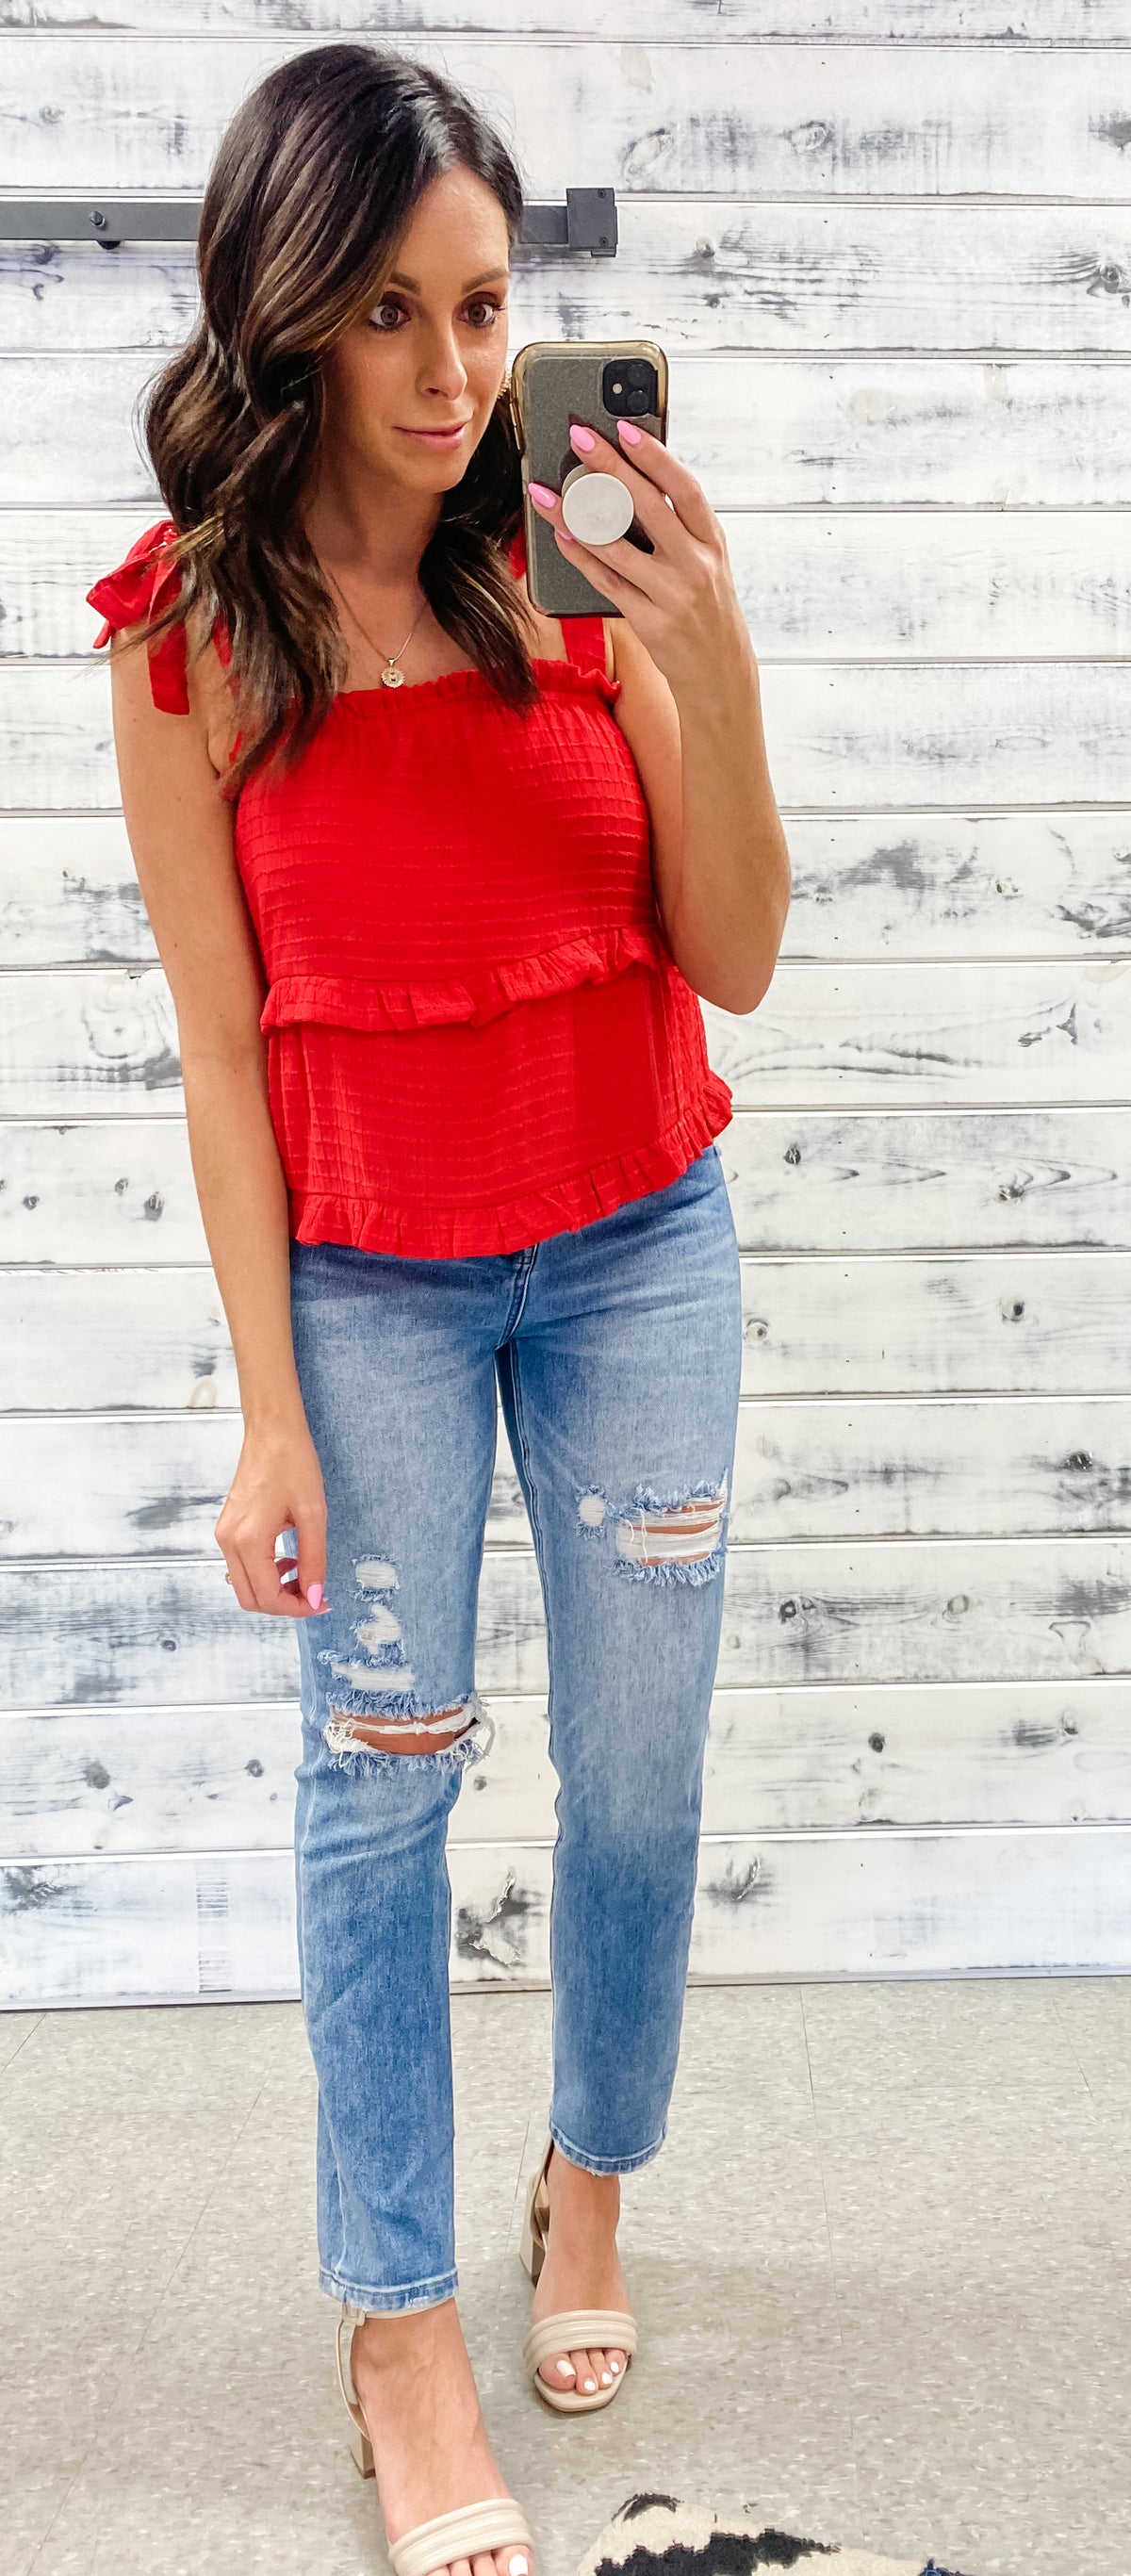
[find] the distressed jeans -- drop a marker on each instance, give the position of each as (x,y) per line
(615,1352)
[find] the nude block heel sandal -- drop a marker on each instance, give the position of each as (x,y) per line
(469,2532)
(573,2329)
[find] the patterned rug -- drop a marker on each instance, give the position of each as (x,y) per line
(656,2535)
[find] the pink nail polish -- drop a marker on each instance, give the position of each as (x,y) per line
(629,431)
(582,439)
(563,536)
(314,1592)
(541,492)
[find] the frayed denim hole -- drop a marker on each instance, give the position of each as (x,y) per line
(352,1754)
(380,1666)
(352,1701)
(703,1569)
(673,1538)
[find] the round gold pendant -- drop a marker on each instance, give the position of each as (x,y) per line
(392,678)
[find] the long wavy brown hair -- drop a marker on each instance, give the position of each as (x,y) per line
(312,187)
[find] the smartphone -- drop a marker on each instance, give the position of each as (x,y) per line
(595,382)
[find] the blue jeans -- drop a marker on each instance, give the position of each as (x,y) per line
(615,1350)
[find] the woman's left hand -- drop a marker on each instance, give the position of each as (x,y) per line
(680,600)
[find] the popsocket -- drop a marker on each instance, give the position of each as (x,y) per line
(596,507)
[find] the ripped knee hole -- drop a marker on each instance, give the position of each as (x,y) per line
(346,1733)
(375,1705)
(679,1537)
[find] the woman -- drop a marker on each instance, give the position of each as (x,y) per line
(436,881)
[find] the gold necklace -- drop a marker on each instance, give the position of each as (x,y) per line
(391,677)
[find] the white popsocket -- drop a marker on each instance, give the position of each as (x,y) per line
(596,507)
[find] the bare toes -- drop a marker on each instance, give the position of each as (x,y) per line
(616,2362)
(558,2371)
(587,2381)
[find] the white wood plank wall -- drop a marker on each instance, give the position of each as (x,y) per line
(887,244)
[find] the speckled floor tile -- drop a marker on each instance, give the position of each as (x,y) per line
(1098,2030)
(1000,2153)
(51,2410)
(494,2057)
(983,2034)
(159,2048)
(1013,2334)
(15,2031)
(771,2020)
(1000,2493)
(1094,2006)
(884,2297)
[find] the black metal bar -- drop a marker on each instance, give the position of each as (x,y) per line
(586,222)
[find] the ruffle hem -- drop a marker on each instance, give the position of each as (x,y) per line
(437,1233)
(358,1002)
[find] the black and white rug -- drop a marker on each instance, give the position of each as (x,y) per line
(656,2535)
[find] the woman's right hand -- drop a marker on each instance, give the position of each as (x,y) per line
(277,1486)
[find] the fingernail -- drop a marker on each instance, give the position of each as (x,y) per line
(582,439)
(314,1592)
(541,492)
(629,431)
(563,536)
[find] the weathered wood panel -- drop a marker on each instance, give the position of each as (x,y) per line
(768,432)
(897,1610)
(69,893)
(960,23)
(701,273)
(806,1181)
(909,1034)
(75,1041)
(864,886)
(807,1469)
(1012,1034)
(93,1340)
(198,1927)
(917,886)
(822,1182)
(1025,1322)
(824,587)
(74,1782)
(855,121)
(958,936)
(841,736)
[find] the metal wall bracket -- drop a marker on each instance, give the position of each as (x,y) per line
(586,222)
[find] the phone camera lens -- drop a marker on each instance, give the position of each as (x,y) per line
(629,385)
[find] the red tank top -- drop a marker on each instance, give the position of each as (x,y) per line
(477,1035)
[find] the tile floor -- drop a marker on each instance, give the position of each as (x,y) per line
(883,2273)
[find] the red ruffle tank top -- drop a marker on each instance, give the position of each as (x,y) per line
(477,1035)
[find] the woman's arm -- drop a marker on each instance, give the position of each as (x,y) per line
(180,833)
(690,710)
(719,855)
